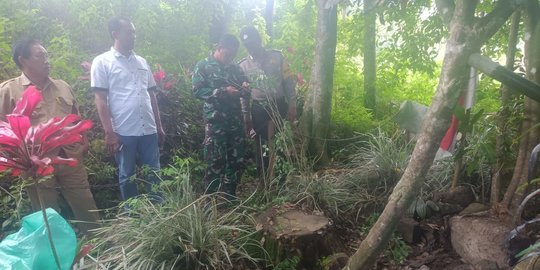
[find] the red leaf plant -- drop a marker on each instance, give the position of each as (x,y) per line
(163,82)
(28,149)
(159,74)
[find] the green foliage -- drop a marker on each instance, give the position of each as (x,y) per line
(349,116)
(295,31)
(411,31)
(13,206)
(185,231)
(422,209)
(360,186)
(288,264)
(383,155)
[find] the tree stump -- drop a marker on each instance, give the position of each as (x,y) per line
(290,232)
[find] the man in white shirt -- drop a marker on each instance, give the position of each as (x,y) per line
(125,98)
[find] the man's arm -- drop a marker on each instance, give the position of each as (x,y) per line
(201,87)
(157,117)
(5,104)
(289,85)
(111,139)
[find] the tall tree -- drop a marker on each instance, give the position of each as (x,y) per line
(269,18)
(467,34)
(318,105)
(530,131)
(504,112)
(370,64)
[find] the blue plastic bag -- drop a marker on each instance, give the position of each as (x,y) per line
(29,248)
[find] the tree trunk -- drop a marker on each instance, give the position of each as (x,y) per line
(219,21)
(466,35)
(370,64)
(269,18)
(504,113)
(529,129)
(318,105)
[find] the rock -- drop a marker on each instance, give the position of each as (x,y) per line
(478,238)
(461,196)
(487,265)
(463,267)
(449,209)
(410,230)
(424,267)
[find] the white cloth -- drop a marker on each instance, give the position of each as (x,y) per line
(127,80)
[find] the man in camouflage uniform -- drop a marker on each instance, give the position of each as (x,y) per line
(221,85)
(272,90)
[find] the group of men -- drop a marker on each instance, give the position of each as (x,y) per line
(240,101)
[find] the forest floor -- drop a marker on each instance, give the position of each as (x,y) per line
(431,248)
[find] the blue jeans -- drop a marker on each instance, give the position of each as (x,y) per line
(137,150)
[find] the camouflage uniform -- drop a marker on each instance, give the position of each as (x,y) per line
(225,141)
(272,88)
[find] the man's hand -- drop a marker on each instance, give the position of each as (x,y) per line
(250,132)
(112,142)
(232,91)
(291,114)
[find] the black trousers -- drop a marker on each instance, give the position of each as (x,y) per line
(261,116)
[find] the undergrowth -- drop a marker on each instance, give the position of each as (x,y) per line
(186,231)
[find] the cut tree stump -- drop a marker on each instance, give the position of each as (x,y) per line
(290,232)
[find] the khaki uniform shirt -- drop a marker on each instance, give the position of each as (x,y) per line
(271,78)
(58,100)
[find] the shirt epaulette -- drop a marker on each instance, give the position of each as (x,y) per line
(276,51)
(7,82)
(242,60)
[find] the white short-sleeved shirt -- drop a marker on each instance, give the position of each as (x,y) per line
(127,80)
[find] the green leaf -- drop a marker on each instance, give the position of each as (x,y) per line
(535,247)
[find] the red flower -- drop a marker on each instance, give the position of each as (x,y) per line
(290,49)
(27,148)
(168,85)
(300,79)
(159,74)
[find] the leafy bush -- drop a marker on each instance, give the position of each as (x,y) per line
(13,206)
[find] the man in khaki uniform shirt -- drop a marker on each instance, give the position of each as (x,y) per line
(272,90)
(58,100)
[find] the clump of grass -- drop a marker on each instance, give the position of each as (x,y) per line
(382,156)
(186,231)
(362,184)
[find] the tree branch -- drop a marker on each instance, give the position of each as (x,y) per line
(330,3)
(446,9)
(488,25)
(532,9)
